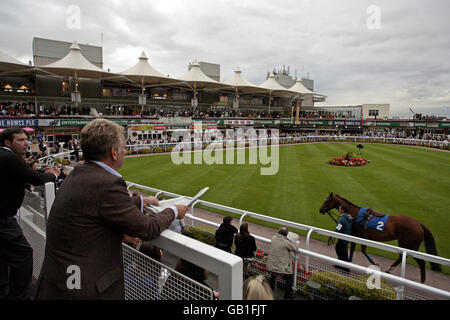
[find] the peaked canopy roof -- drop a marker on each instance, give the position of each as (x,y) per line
(143,73)
(237,81)
(275,88)
(8,63)
(196,78)
(74,63)
(300,88)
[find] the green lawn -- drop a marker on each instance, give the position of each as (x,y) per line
(399,180)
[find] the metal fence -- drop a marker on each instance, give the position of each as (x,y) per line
(166,147)
(307,265)
(404,288)
(148,279)
(335,284)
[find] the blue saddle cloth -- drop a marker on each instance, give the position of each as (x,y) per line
(376,223)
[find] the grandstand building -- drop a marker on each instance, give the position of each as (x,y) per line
(30,98)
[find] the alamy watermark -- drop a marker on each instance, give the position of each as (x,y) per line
(74,278)
(374,281)
(74,17)
(212,147)
(374,19)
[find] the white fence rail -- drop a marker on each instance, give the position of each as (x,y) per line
(400,281)
(226,266)
(302,139)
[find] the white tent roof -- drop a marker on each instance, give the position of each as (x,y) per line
(73,62)
(142,72)
(8,63)
(237,81)
(299,87)
(198,79)
(275,88)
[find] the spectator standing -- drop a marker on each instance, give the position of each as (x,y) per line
(225,234)
(279,261)
(179,226)
(15,251)
(245,246)
(91,215)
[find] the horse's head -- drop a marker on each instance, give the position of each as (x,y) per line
(330,202)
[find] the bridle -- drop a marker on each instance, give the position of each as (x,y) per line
(333,215)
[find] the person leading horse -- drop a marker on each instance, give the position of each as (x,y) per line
(408,231)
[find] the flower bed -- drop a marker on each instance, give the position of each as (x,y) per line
(349,161)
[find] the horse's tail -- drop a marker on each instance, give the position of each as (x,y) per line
(430,246)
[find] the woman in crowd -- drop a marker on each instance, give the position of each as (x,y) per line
(245,246)
(257,288)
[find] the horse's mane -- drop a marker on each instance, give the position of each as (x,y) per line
(346,200)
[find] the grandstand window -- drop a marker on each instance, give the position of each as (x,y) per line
(373,113)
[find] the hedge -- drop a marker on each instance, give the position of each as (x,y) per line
(337,286)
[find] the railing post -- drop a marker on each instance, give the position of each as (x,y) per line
(308,236)
(242,218)
(49,196)
(294,282)
(192,211)
(401,288)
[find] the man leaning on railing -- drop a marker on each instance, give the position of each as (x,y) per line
(90,217)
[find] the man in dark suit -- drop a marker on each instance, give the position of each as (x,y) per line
(15,251)
(89,218)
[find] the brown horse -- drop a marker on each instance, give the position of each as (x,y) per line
(409,232)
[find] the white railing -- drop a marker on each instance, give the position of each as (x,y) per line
(50,159)
(303,139)
(402,281)
(226,266)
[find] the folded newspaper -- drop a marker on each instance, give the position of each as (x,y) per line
(292,236)
(187,201)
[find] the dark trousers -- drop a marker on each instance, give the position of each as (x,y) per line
(224,247)
(17,254)
(342,253)
(288,279)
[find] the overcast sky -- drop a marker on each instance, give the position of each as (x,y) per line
(397,52)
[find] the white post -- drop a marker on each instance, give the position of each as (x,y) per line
(401,288)
(49,196)
(307,248)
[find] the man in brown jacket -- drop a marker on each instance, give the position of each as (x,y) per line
(89,219)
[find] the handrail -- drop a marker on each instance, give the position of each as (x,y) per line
(302,139)
(401,281)
(370,243)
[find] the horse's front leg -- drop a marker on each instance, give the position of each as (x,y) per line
(363,250)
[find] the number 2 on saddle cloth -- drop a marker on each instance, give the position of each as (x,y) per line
(370,219)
